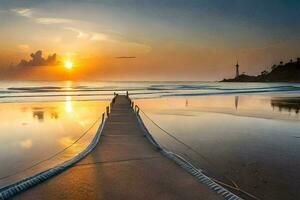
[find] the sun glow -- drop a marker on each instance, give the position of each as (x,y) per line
(68,64)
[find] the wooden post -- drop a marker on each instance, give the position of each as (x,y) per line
(107,111)
(136,108)
(102,118)
(114,99)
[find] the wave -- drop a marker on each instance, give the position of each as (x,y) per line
(140,89)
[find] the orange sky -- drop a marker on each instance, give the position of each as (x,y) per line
(168,40)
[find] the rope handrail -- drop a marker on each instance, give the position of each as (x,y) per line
(36,179)
(26,183)
(57,153)
(66,148)
(174,137)
(234,186)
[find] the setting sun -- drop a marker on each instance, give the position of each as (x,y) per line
(68,64)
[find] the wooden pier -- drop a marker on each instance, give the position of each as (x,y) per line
(124,165)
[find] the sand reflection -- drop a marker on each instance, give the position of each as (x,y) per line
(252,140)
(30,132)
(286,108)
(291,105)
(68,106)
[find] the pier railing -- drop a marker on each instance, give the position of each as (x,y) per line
(12,189)
(24,184)
(180,160)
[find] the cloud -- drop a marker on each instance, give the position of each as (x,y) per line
(112,36)
(24,12)
(80,33)
(83,35)
(92,36)
(38,60)
(49,20)
(28,12)
(98,37)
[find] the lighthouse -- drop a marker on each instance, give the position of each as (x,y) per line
(237,72)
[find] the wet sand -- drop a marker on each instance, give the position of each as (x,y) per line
(124,165)
(253,142)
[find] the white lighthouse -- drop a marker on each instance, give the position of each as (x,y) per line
(237,71)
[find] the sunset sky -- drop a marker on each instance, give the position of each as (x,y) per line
(146,39)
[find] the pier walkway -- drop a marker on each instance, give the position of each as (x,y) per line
(124,165)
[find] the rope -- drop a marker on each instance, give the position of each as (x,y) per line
(186,165)
(235,186)
(15,188)
(53,155)
(175,138)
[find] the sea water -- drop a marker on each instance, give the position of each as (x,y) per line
(239,133)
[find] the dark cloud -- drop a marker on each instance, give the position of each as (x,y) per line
(125,57)
(38,60)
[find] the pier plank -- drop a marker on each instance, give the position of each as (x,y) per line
(124,165)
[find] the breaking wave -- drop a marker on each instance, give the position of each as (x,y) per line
(57,91)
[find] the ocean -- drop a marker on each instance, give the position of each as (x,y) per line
(245,135)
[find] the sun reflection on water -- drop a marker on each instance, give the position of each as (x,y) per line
(68,106)
(32,131)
